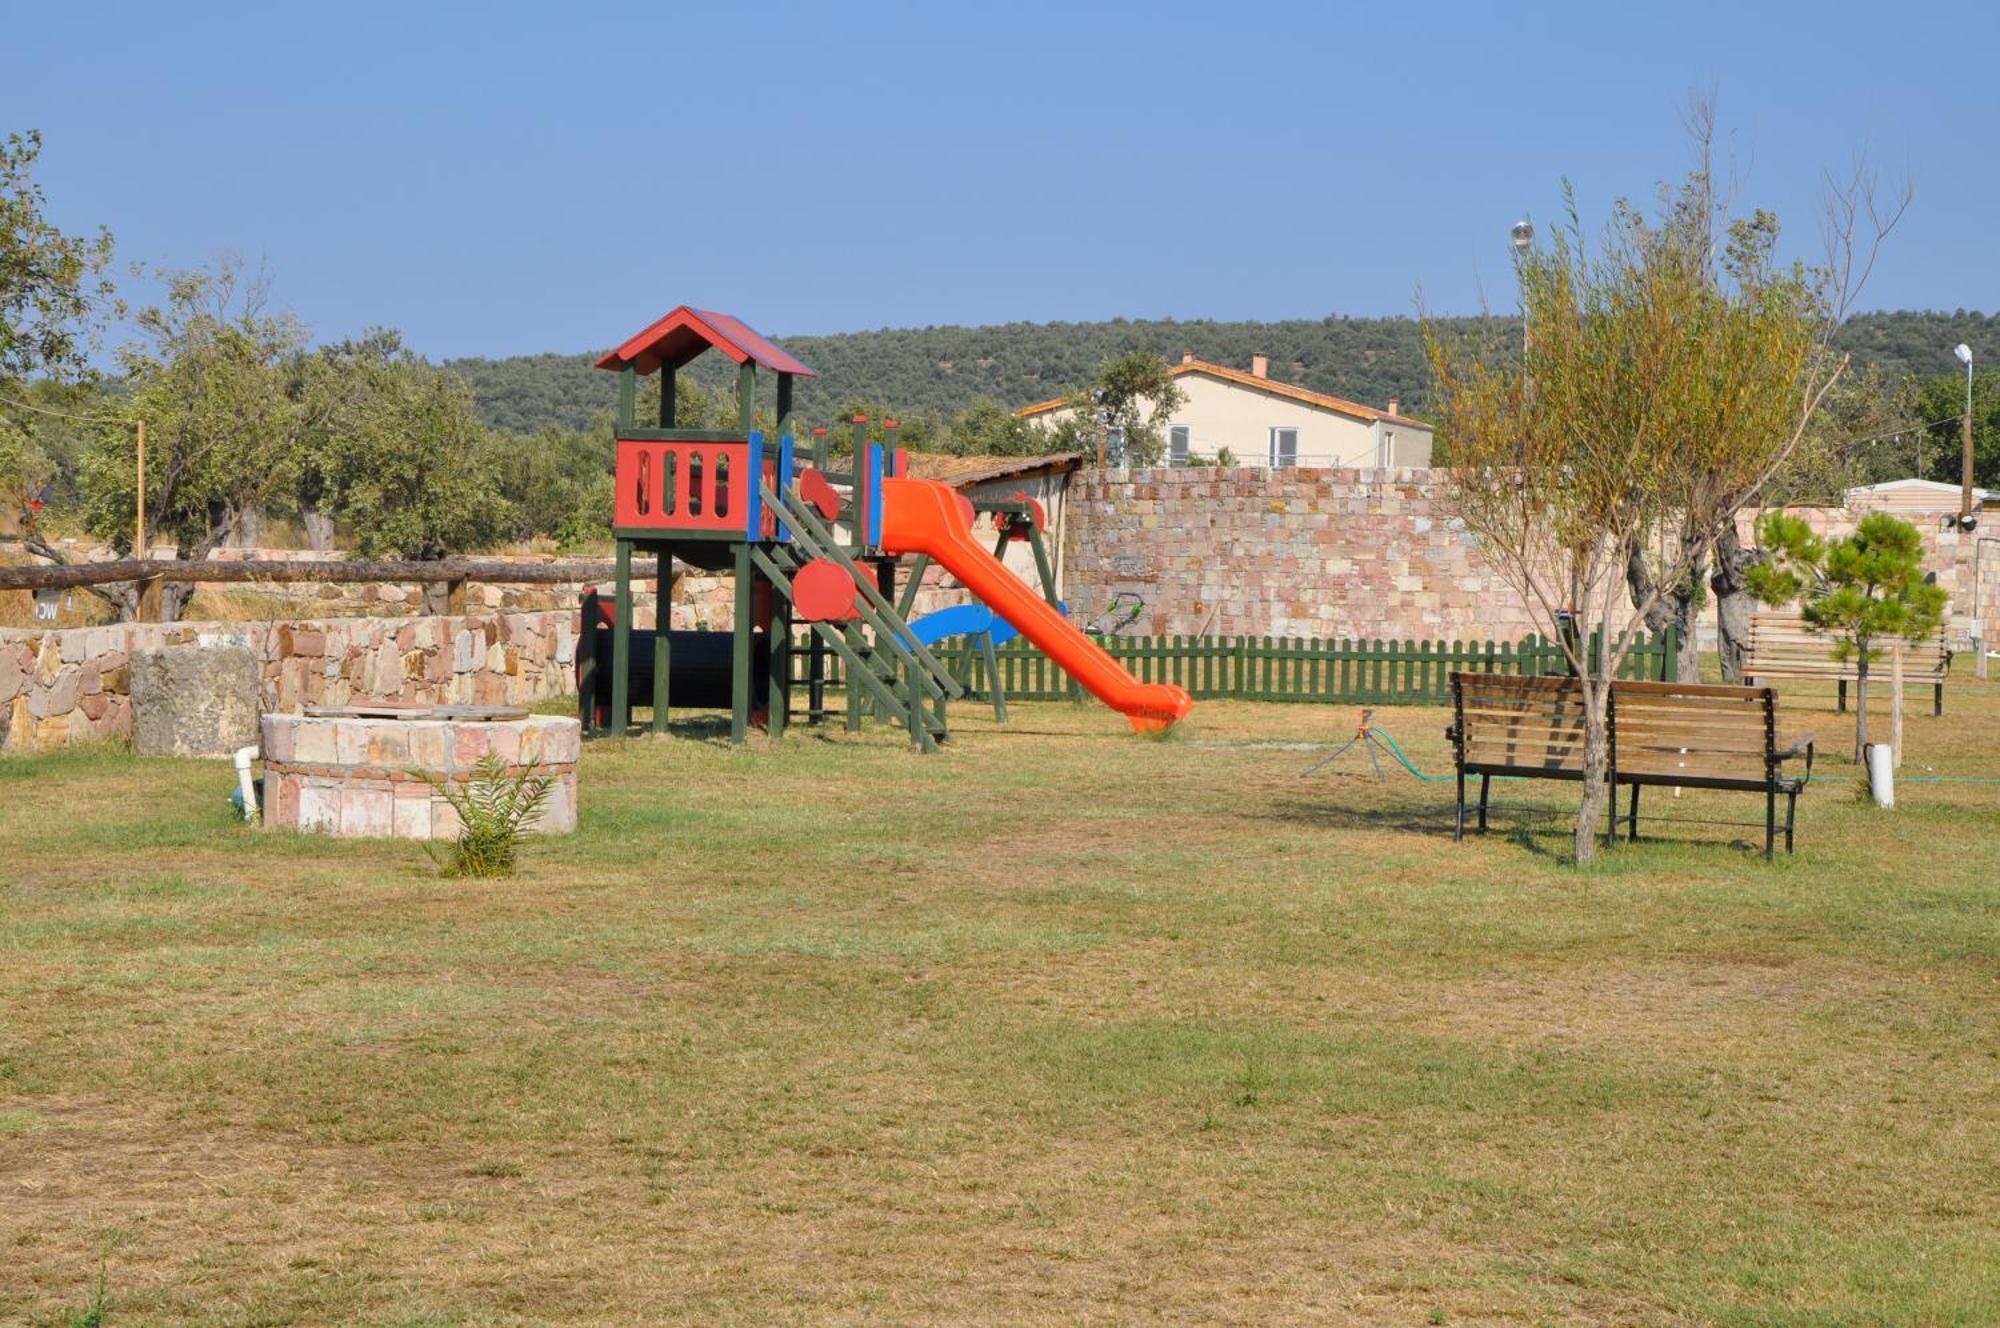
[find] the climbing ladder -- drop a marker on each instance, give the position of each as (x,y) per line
(895,672)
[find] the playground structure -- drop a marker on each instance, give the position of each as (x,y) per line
(811,549)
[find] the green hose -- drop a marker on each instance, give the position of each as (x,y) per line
(1397,752)
(1948,779)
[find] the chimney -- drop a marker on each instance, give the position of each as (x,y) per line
(1260,366)
(1393,403)
(1187,357)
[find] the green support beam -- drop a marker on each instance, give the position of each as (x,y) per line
(621,646)
(816,538)
(857,666)
(663,650)
(628,399)
(739,659)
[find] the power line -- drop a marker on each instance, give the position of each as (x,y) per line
(1898,433)
(68,415)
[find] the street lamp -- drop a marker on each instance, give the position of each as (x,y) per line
(1523,236)
(1964,353)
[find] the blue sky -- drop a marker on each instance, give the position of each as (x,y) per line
(509,178)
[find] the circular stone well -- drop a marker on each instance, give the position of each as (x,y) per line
(360,770)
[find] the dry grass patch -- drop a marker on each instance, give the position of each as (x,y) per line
(1058,1026)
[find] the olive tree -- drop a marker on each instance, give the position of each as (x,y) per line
(1671,366)
(210,378)
(52,290)
(1134,395)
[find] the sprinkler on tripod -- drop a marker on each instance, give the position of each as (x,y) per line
(1364,734)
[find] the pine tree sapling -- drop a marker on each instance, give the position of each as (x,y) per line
(1866,589)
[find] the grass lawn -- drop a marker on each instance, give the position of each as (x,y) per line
(1060,1026)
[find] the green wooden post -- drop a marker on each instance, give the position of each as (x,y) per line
(669,397)
(663,650)
(746,405)
(586,662)
(779,697)
(851,635)
(784,406)
(858,463)
(993,687)
(908,599)
(621,645)
(741,640)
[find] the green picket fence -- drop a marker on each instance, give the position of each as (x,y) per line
(1249,668)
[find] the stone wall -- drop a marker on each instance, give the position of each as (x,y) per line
(59,687)
(1347,553)
(1304,552)
(368,777)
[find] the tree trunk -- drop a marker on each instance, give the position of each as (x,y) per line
(1861,705)
(1675,607)
(319,529)
(1733,603)
(1596,775)
(246,528)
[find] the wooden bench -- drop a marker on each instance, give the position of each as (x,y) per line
(1681,735)
(1782,646)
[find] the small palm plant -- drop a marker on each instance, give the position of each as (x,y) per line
(494,810)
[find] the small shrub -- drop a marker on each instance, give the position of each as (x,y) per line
(494,812)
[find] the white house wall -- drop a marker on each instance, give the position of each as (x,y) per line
(1222,414)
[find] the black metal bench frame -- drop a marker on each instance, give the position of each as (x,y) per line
(1774,784)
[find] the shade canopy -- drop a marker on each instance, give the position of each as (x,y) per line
(686,333)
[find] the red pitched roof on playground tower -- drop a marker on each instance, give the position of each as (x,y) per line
(686,333)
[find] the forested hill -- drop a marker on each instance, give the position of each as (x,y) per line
(941,370)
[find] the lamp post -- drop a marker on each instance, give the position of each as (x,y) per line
(1964,353)
(1522,236)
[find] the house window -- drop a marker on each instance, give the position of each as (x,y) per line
(1177,445)
(1284,447)
(1386,457)
(1114,447)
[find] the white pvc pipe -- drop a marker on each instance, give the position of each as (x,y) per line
(244,756)
(1882,773)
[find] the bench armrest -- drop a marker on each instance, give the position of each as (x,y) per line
(1801,747)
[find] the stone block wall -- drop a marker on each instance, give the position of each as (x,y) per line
(1316,553)
(59,687)
(1324,553)
(365,777)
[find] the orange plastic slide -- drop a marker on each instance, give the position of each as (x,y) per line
(923,516)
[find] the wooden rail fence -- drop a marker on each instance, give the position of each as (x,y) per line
(1250,668)
(444,580)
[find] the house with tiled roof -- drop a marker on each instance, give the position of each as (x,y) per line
(1260,421)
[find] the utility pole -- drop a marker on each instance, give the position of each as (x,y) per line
(1964,353)
(139,529)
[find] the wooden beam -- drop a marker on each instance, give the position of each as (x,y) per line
(173,571)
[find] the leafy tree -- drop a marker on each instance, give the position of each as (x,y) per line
(210,380)
(411,475)
(1768,329)
(51,290)
(557,484)
(1667,376)
(1867,588)
(1940,404)
(51,285)
(1133,396)
(988,428)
